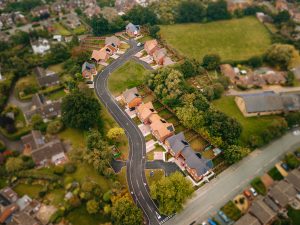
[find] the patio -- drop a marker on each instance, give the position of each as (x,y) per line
(145,129)
(159,156)
(150,145)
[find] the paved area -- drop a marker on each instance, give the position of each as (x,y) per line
(168,167)
(209,198)
(150,145)
(117,165)
(145,129)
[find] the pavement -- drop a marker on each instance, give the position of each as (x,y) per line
(136,178)
(212,196)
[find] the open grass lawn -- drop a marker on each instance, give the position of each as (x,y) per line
(173,120)
(79,30)
(56,68)
(251,125)
(76,137)
(56,95)
(179,128)
(198,144)
(131,74)
(157,175)
(80,216)
(165,113)
(294,215)
(275,174)
(25,82)
(236,39)
(28,189)
(61,30)
(259,186)
(56,197)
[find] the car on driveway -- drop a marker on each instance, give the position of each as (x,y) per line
(253,191)
(296,132)
(285,166)
(223,216)
(247,193)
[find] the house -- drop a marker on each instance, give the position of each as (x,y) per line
(151,46)
(144,111)
(133,30)
(40,46)
(264,18)
(228,71)
(72,21)
(88,70)
(58,7)
(267,103)
(271,76)
(42,152)
(233,5)
(167,61)
(102,55)
(8,212)
(247,219)
(283,193)
(9,194)
(113,41)
(262,212)
(92,11)
(195,164)
(47,109)
(22,218)
(159,56)
(46,78)
(281,5)
(160,128)
(131,98)
(294,178)
(40,11)
(58,38)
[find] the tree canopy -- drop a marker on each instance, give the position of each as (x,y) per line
(235,153)
(280,55)
(190,11)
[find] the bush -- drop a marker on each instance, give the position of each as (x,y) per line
(255,61)
(2,146)
(231,211)
(259,186)
(59,170)
(70,168)
(107,196)
(55,127)
(275,174)
(292,161)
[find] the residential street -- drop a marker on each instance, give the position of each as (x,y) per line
(137,156)
(209,198)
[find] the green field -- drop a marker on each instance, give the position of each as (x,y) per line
(251,125)
(235,39)
(131,74)
(60,29)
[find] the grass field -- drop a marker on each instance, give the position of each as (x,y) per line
(28,189)
(61,30)
(76,137)
(251,125)
(235,39)
(129,75)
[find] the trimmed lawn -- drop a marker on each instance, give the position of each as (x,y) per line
(294,215)
(198,144)
(80,216)
(231,210)
(79,30)
(28,81)
(61,30)
(56,197)
(131,74)
(251,125)
(150,155)
(259,186)
(76,137)
(275,174)
(32,190)
(56,68)
(56,95)
(157,175)
(236,39)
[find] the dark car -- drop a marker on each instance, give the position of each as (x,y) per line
(223,216)
(285,166)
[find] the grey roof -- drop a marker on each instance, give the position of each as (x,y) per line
(294,178)
(271,204)
(130,94)
(178,144)
(283,192)
(291,102)
(262,102)
(46,77)
(9,195)
(261,211)
(87,66)
(247,219)
(34,139)
(113,40)
(38,100)
(132,28)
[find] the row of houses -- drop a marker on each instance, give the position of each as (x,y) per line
(258,78)
(264,210)
(8,20)
(267,103)
(164,132)
(15,210)
(294,11)
(158,54)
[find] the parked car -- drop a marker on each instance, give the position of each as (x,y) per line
(89,82)
(211,222)
(296,132)
(139,44)
(253,191)
(247,193)
(223,216)
(158,216)
(285,166)
(204,223)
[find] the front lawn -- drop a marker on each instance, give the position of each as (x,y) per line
(57,68)
(259,186)
(131,74)
(236,39)
(75,136)
(231,210)
(56,95)
(32,190)
(156,175)
(294,215)
(251,125)
(60,29)
(275,174)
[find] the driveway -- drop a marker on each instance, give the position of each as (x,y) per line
(209,198)
(168,167)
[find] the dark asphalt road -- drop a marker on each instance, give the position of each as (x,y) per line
(136,178)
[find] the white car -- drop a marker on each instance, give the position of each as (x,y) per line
(296,132)
(253,191)
(139,44)
(158,216)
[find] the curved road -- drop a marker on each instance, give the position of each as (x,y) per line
(136,178)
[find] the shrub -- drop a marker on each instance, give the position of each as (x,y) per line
(107,196)
(231,211)
(70,168)
(259,186)
(292,160)
(59,170)
(54,127)
(2,146)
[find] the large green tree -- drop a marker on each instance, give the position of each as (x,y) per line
(141,15)
(171,192)
(235,153)
(14,164)
(125,212)
(80,111)
(217,10)
(92,206)
(280,55)
(190,11)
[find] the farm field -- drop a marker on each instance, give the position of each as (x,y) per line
(131,74)
(251,125)
(236,39)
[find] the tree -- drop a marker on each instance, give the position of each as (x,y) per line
(217,10)
(153,31)
(211,62)
(115,133)
(125,212)
(190,11)
(92,206)
(80,111)
(171,192)
(293,119)
(59,53)
(190,68)
(38,123)
(141,15)
(255,61)
(99,159)
(282,17)
(95,140)
(99,25)
(280,55)
(190,116)
(292,160)
(235,153)
(290,78)
(14,164)
(55,126)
